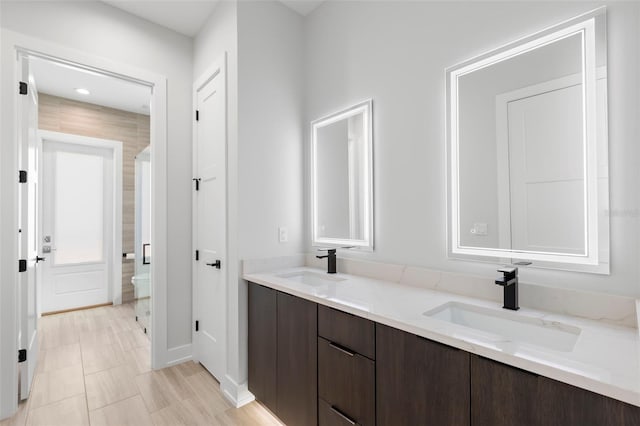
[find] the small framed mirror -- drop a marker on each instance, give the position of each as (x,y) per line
(342,178)
(527,150)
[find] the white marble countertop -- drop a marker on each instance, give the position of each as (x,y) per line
(605,359)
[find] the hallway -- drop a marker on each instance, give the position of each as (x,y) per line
(94,368)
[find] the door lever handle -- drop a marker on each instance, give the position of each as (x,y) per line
(40,259)
(216,264)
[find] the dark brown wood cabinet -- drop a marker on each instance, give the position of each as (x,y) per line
(311,364)
(502,395)
(262,344)
(346,381)
(419,382)
(505,395)
(297,361)
(346,368)
(567,405)
(357,334)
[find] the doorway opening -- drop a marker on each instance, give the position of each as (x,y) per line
(81,148)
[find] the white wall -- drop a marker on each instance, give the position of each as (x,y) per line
(104,31)
(271,161)
(396,53)
(263,41)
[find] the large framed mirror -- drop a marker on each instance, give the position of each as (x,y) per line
(342,178)
(527,150)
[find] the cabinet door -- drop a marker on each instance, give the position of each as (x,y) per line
(502,395)
(297,380)
(262,344)
(419,382)
(568,406)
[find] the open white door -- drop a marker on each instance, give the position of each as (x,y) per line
(210,222)
(28,240)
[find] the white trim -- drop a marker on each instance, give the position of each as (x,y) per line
(11,41)
(179,354)
(237,394)
(115,288)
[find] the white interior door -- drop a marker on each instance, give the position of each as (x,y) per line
(28,242)
(547,172)
(78,229)
(210,225)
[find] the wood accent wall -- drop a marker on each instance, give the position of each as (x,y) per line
(79,118)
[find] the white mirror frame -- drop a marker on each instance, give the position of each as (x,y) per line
(364,108)
(590,261)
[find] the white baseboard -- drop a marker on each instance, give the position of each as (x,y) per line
(178,355)
(237,394)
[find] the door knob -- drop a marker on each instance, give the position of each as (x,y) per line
(216,264)
(40,259)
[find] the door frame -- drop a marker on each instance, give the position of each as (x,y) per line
(216,70)
(115,278)
(12,44)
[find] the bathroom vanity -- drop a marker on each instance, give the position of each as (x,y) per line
(351,350)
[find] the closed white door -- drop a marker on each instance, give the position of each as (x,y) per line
(210,225)
(28,240)
(547,172)
(78,231)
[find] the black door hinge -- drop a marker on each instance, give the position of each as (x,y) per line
(22,176)
(197,115)
(22,265)
(22,88)
(22,355)
(197,325)
(197,181)
(197,254)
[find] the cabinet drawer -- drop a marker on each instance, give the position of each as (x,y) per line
(330,416)
(346,381)
(350,331)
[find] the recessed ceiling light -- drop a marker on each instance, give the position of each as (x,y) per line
(83,91)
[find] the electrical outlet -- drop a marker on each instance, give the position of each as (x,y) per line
(283,234)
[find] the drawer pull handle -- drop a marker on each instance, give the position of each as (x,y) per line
(343,350)
(341,414)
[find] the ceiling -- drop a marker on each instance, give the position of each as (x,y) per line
(188,16)
(183,16)
(62,80)
(303,7)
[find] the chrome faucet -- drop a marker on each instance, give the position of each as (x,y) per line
(331,260)
(509,282)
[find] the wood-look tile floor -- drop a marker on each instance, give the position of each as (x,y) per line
(94,369)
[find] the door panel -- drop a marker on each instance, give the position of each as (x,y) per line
(78,198)
(28,240)
(209,232)
(547,172)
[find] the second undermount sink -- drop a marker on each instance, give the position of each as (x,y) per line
(313,279)
(509,325)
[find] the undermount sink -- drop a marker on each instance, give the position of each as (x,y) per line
(509,325)
(313,279)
